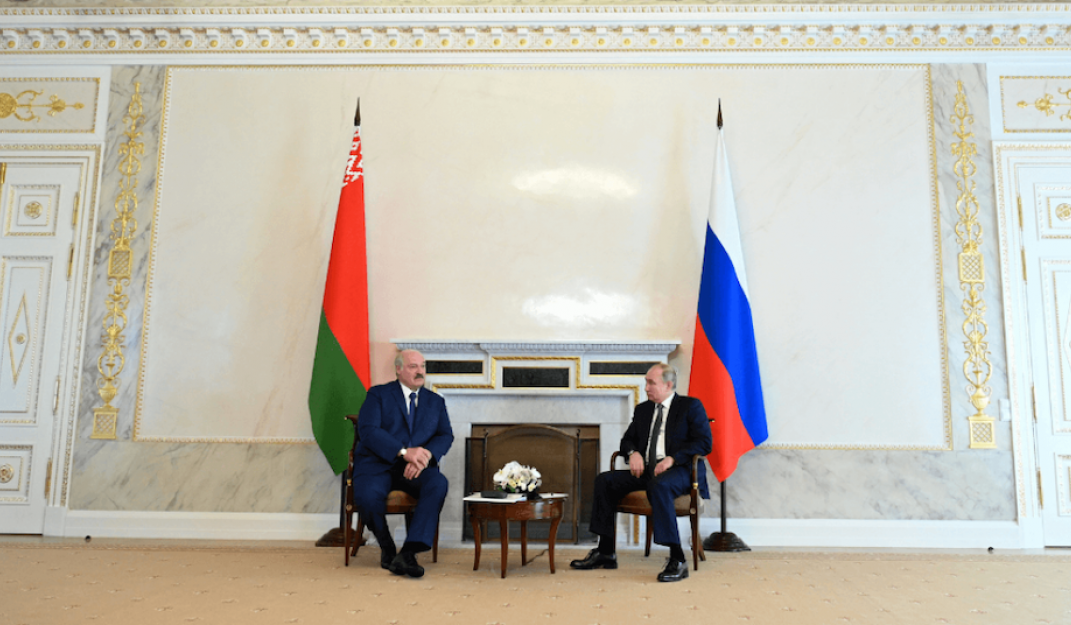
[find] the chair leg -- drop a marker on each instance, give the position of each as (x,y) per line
(358,538)
(435,545)
(650,536)
(347,534)
(697,547)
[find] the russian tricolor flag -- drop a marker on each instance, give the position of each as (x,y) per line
(725,365)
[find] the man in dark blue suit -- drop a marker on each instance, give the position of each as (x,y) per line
(404,433)
(666,431)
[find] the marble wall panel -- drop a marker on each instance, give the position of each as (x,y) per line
(945,86)
(962,484)
(775,483)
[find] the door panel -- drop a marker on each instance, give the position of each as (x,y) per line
(37,204)
(1045,193)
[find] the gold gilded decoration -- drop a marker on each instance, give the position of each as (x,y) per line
(16,338)
(976,368)
(1046,105)
(32,210)
(22,105)
(1063,212)
(111,361)
(7,473)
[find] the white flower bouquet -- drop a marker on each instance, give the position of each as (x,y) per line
(517,478)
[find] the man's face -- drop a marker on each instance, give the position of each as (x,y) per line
(412,371)
(657,390)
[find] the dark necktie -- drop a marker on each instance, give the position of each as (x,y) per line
(652,449)
(412,411)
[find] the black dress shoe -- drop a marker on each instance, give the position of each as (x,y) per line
(385,557)
(675,571)
(405,564)
(595,560)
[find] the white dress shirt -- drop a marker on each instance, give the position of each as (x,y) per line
(660,448)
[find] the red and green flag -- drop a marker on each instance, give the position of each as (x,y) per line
(340,372)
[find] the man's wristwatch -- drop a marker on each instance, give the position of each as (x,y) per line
(402,452)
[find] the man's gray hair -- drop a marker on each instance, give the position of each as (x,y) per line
(669,373)
(399,361)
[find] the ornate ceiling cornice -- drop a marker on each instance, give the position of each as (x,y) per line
(550,29)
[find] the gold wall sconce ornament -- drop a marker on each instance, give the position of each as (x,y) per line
(1046,105)
(22,105)
(977,367)
(120,268)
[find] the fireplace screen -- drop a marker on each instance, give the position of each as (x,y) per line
(566,456)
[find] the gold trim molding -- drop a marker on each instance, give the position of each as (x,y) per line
(22,105)
(977,368)
(120,264)
(580,32)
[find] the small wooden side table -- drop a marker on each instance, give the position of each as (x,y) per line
(549,508)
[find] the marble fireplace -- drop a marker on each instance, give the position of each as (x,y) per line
(553,383)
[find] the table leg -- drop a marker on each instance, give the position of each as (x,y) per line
(476,537)
(553,535)
(503,528)
(524,543)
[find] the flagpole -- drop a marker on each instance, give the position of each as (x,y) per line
(724,541)
(336,536)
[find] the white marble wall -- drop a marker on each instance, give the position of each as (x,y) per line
(776,483)
(962,484)
(126,475)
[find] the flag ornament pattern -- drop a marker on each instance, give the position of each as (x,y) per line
(725,364)
(340,371)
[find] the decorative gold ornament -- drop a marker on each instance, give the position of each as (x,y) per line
(22,105)
(1046,105)
(1063,211)
(7,473)
(111,361)
(976,368)
(16,338)
(32,210)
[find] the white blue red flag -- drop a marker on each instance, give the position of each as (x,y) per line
(725,364)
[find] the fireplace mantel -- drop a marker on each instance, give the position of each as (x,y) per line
(637,348)
(574,382)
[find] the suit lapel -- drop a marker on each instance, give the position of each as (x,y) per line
(676,409)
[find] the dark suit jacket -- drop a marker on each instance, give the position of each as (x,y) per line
(383,430)
(687,433)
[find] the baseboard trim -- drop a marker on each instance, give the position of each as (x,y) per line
(199,525)
(870,534)
(754,532)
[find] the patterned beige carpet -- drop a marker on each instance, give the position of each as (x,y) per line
(137,583)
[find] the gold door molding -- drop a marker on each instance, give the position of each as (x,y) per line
(49,105)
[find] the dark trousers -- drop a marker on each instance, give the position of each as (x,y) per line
(429,489)
(611,486)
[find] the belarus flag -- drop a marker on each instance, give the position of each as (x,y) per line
(340,372)
(725,365)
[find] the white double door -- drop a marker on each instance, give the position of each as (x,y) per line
(1042,258)
(39,201)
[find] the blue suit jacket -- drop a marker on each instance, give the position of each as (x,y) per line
(687,434)
(383,430)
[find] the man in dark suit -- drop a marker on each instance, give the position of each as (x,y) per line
(666,431)
(404,433)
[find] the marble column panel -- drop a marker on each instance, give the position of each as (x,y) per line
(945,78)
(208,477)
